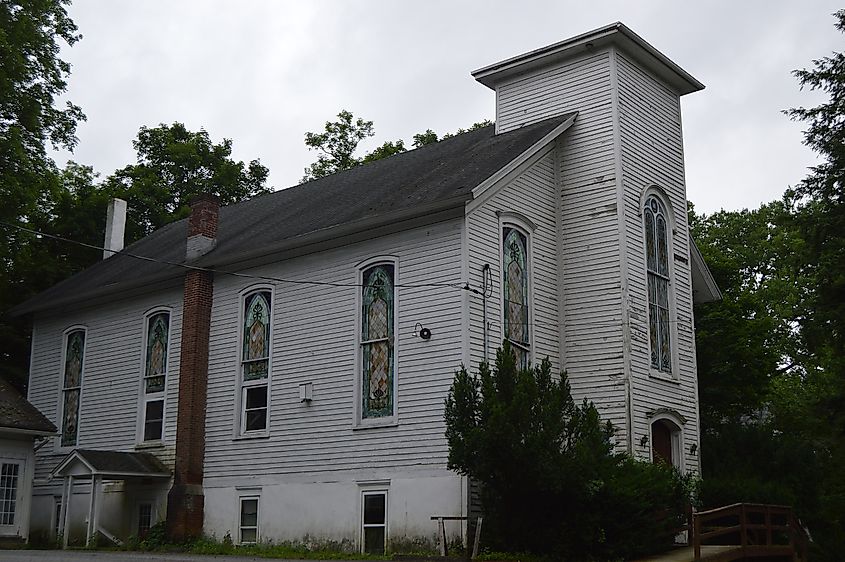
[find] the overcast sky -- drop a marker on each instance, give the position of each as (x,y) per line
(264,73)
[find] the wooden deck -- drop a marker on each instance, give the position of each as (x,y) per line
(742,531)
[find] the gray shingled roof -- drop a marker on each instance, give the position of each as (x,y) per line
(116,463)
(17,413)
(413,181)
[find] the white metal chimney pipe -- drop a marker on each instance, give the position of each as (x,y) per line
(115,227)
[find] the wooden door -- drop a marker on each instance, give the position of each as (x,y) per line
(661,442)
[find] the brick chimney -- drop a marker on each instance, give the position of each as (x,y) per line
(185,501)
(202,226)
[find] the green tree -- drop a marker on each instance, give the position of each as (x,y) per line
(32,76)
(820,215)
(336,145)
(550,481)
(389,148)
(819,202)
(422,139)
(175,164)
(748,339)
(339,141)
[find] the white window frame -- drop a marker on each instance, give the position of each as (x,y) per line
(243,386)
(241,499)
(658,194)
(359,421)
(7,529)
(375,492)
(520,223)
(143,397)
(677,437)
(61,405)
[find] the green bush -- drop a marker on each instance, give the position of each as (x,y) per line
(551,483)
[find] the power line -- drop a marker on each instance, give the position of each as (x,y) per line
(465,286)
(456,285)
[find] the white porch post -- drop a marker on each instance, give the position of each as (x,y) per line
(90,530)
(98,496)
(66,508)
(62,509)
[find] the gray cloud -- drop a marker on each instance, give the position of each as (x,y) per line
(263,73)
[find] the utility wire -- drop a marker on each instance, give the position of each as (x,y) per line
(457,285)
(464,286)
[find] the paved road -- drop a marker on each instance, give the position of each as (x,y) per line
(79,556)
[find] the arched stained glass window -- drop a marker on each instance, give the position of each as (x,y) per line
(256,337)
(158,328)
(377,314)
(657,261)
(155,375)
(72,386)
(515,292)
(255,361)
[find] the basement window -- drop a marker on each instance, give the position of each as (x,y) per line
(145,519)
(374,522)
(248,528)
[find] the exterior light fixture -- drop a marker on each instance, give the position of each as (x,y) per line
(421,332)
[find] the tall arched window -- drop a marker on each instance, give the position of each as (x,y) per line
(255,360)
(377,341)
(657,261)
(155,375)
(515,285)
(74,365)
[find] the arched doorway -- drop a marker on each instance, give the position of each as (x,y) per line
(666,442)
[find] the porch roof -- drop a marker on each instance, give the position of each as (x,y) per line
(111,464)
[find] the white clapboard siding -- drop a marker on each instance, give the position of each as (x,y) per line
(112,371)
(315,340)
(590,260)
(532,195)
(588,269)
(571,86)
(652,155)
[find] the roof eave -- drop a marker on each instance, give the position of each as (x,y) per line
(27,431)
(614,34)
(707,290)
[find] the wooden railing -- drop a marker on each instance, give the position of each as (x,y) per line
(757,530)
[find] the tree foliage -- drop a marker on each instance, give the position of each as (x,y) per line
(174,165)
(749,337)
(32,76)
(550,481)
(338,143)
(771,355)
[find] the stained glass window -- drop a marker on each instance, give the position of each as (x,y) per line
(155,375)
(515,290)
(158,328)
(377,341)
(657,262)
(255,360)
(72,386)
(256,336)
